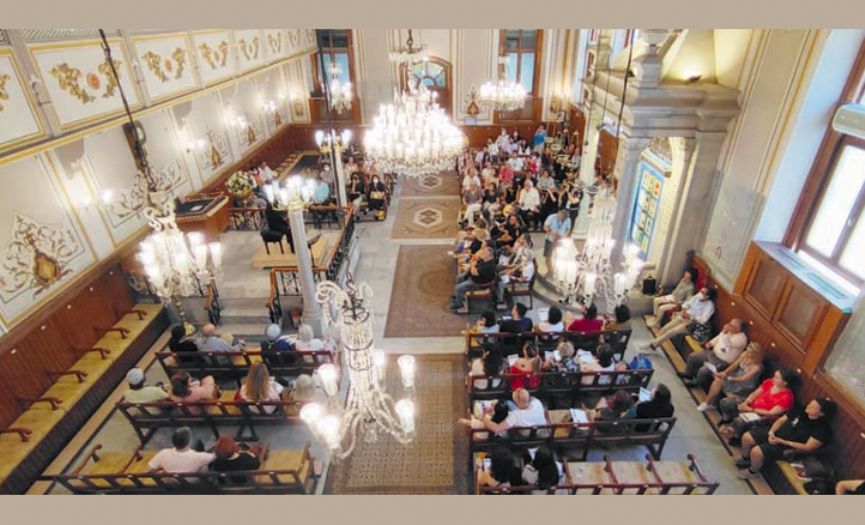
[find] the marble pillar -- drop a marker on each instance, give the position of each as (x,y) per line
(625,172)
(312,314)
(339,171)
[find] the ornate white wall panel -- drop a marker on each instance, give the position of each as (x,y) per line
(250,49)
(243,115)
(78,79)
(18,120)
(275,44)
(202,120)
(270,88)
(217,59)
(166,65)
(42,245)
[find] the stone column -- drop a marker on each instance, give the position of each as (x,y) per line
(339,172)
(312,314)
(682,151)
(625,172)
(593,118)
(695,204)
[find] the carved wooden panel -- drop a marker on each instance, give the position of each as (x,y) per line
(799,313)
(765,285)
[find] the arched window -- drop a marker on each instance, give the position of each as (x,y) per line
(435,74)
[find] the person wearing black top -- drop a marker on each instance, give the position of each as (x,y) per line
(803,431)
(231,457)
(180,345)
(657,407)
(850,487)
(482,270)
(276,222)
(518,322)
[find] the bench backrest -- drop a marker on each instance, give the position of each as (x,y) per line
(237,364)
(545,384)
(168,413)
(512,343)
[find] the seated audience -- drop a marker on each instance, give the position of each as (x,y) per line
(667,303)
(720,352)
(179,342)
(482,271)
(738,380)
(524,370)
(563,360)
(491,364)
(800,431)
(214,342)
(231,456)
(554,323)
(527,411)
(180,459)
(260,386)
(502,471)
(660,406)
(543,470)
(185,389)
(697,310)
(770,400)
(376,194)
(589,322)
(616,407)
(604,362)
(138,392)
(306,340)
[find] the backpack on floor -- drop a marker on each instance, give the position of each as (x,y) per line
(640,362)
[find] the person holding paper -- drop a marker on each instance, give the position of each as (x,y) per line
(737,380)
(696,310)
(718,354)
(770,400)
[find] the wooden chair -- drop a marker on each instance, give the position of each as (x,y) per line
(523,289)
(272,237)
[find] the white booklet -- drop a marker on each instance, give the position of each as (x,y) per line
(552,355)
(512,359)
(749,417)
(579,416)
(645,395)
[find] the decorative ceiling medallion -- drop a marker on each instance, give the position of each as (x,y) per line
(37,256)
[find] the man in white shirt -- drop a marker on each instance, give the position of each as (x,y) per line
(529,412)
(181,458)
(557,226)
(698,309)
(720,352)
(529,204)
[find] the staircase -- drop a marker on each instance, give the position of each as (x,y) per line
(245,317)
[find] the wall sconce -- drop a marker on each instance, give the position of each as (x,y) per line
(106,197)
(269,106)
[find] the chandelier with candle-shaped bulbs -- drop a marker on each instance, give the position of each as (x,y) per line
(588,274)
(413,136)
(502,95)
(369,411)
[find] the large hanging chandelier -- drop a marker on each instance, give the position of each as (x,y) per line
(175,263)
(502,95)
(340,92)
(586,275)
(408,54)
(413,136)
(369,410)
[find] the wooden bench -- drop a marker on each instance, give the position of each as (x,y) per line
(622,478)
(582,437)
(147,418)
(32,440)
(282,472)
(549,384)
(512,343)
(235,365)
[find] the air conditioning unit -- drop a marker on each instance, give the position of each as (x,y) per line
(850,120)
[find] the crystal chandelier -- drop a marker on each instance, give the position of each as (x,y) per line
(369,410)
(175,264)
(340,92)
(413,136)
(408,54)
(502,95)
(588,274)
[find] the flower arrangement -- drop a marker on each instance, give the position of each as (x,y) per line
(239,184)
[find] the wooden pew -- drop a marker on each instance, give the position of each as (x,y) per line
(551,384)
(651,433)
(282,472)
(147,418)
(235,365)
(512,343)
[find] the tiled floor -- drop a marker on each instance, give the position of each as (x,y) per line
(692,433)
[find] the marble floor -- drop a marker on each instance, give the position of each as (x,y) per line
(692,433)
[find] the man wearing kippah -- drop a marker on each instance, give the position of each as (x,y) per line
(138,393)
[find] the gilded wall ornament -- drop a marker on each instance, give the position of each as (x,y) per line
(37,256)
(4,95)
(154,64)
(68,78)
(179,56)
(250,50)
(294,37)
(162,68)
(131,201)
(111,80)
(215,58)
(275,43)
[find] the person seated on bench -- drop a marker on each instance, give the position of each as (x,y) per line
(376,194)
(180,344)
(738,380)
(525,369)
(696,311)
(604,362)
(850,487)
(502,471)
(526,411)
(482,270)
(234,457)
(542,470)
(491,364)
(589,322)
(138,392)
(185,389)
(660,406)
(554,323)
(306,390)
(306,340)
(616,407)
(214,342)
(770,400)
(720,352)
(800,431)
(518,322)
(276,342)
(521,271)
(565,361)
(667,303)
(260,386)
(180,459)
(622,322)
